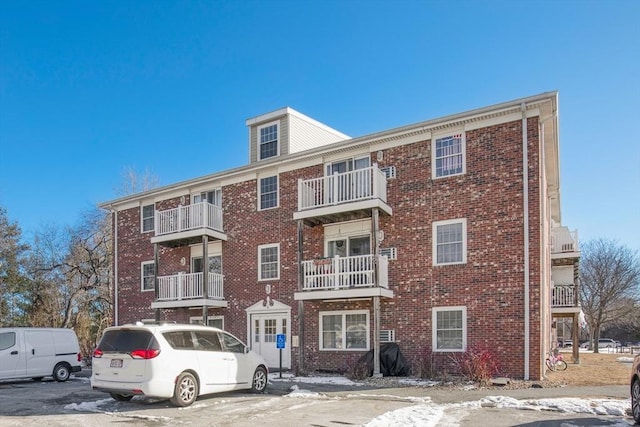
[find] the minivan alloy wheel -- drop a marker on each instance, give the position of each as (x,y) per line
(186,390)
(260,380)
(635,400)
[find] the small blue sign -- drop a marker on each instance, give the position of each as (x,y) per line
(280,340)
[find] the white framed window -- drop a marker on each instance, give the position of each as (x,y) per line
(268,189)
(450,242)
(147,275)
(214,197)
(215,321)
(147,214)
(448,155)
(449,328)
(268,145)
(269,262)
(344,330)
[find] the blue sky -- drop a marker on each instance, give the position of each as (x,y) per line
(88,89)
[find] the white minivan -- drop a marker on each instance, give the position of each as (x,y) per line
(39,352)
(173,361)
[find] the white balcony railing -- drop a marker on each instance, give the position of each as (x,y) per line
(563,240)
(190,217)
(345,273)
(564,296)
(189,286)
(353,186)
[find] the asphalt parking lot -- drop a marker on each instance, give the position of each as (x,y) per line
(73,403)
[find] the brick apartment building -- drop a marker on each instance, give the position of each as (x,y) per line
(441,236)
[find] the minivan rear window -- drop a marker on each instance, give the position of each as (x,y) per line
(127,340)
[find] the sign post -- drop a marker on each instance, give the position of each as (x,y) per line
(281,339)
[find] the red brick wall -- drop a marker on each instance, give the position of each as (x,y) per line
(490,284)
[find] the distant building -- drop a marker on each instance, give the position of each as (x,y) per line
(441,236)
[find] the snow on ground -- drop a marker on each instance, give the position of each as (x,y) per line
(424,412)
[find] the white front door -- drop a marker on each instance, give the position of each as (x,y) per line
(264,331)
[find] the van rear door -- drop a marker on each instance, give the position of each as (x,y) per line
(12,355)
(122,355)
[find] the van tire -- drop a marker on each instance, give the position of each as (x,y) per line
(61,372)
(259,380)
(121,397)
(186,390)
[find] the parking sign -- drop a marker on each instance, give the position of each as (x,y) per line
(280,340)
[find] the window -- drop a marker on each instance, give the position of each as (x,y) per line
(7,340)
(147,214)
(347,330)
(148,269)
(450,242)
(268,192)
(232,344)
(448,156)
(215,264)
(449,329)
(268,136)
(213,197)
(215,321)
(268,262)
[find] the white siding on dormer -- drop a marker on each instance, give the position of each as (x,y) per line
(307,134)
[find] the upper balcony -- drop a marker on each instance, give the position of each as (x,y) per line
(186,225)
(359,276)
(564,243)
(342,196)
(186,290)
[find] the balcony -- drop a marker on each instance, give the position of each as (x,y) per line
(564,299)
(345,278)
(342,196)
(564,243)
(186,225)
(186,290)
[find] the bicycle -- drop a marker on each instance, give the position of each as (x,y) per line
(555,361)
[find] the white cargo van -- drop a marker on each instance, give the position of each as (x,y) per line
(38,352)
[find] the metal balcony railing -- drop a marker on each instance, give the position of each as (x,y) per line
(564,296)
(189,286)
(190,217)
(563,240)
(345,273)
(353,186)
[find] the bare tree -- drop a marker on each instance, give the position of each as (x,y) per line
(610,284)
(136,182)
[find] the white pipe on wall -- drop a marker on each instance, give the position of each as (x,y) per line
(525,191)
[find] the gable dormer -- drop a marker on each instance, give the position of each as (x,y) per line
(286,131)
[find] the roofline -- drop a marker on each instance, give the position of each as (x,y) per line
(340,145)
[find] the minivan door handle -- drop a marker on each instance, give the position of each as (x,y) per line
(14,352)
(33,351)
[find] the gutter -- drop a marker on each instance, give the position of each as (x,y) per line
(525,191)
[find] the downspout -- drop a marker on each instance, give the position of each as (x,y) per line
(115,268)
(525,191)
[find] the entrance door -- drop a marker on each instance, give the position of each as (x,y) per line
(264,328)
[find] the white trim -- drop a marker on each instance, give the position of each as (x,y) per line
(260,247)
(142,218)
(434,328)
(278,139)
(142,264)
(434,241)
(463,148)
(343,313)
(260,178)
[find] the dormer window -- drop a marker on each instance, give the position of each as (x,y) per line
(268,135)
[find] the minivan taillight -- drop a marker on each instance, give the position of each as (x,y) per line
(144,354)
(97,353)
(79,357)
